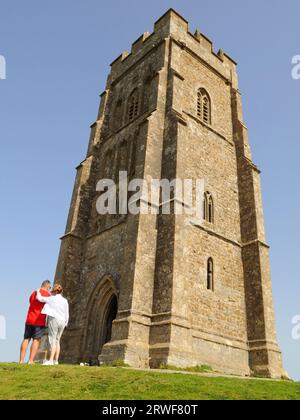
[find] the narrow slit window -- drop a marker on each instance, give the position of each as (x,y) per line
(208,208)
(210,274)
(205,206)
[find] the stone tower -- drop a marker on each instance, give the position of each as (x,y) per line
(143,288)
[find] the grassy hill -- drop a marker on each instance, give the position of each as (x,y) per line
(90,383)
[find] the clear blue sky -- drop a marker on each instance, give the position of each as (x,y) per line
(58,55)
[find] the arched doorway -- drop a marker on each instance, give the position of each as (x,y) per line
(102,311)
(112,311)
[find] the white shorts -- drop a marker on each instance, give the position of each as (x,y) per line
(55,330)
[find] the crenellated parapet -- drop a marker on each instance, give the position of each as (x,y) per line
(172,25)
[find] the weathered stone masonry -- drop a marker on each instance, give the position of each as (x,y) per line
(171,109)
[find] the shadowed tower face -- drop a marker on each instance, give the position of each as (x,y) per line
(148,289)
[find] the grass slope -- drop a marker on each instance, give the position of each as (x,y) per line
(91,383)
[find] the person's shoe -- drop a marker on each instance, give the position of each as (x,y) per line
(48,363)
(56,362)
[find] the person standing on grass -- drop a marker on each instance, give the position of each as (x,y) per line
(35,324)
(57,310)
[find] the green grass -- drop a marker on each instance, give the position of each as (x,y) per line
(194,369)
(90,383)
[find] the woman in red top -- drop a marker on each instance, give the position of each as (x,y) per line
(35,324)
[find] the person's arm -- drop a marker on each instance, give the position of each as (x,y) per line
(42,299)
(32,298)
(67,313)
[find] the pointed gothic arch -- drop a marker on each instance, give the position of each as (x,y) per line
(133,105)
(204,106)
(102,310)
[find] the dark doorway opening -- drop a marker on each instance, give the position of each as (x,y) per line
(103,310)
(111,315)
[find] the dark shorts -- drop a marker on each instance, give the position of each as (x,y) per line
(33,332)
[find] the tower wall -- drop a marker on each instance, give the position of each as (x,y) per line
(198,317)
(157,264)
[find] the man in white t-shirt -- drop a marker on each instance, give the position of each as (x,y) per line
(57,310)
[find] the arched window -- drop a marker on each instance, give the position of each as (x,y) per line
(210,210)
(204,106)
(133,106)
(205,206)
(208,207)
(210,274)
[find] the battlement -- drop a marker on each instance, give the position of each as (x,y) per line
(173,25)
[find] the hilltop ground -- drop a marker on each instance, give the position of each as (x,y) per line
(105,383)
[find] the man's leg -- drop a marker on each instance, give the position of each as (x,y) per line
(34,348)
(23,350)
(52,354)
